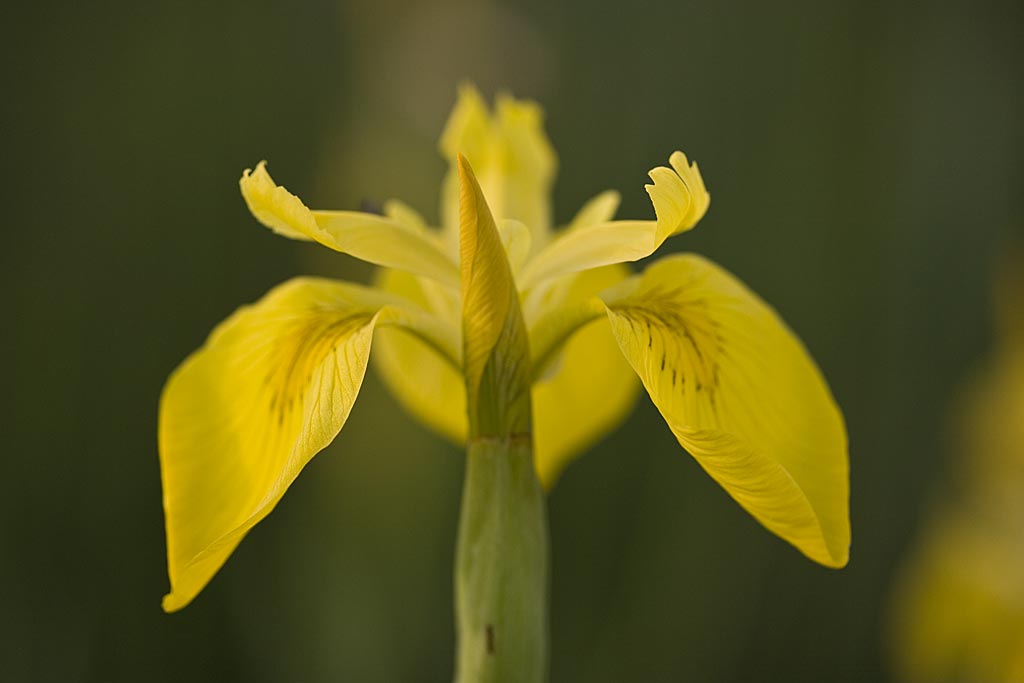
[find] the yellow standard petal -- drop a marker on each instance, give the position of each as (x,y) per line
(242,416)
(511,156)
(381,240)
(742,395)
(680,201)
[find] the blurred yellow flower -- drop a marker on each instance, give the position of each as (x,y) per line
(959,604)
(275,382)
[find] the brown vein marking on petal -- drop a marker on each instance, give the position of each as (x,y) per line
(691,341)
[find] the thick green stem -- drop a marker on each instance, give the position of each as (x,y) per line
(501,566)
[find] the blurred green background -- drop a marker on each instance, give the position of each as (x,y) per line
(865,163)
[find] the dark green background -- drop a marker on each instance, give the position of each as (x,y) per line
(865,163)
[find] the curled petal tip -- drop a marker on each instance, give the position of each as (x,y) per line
(679,196)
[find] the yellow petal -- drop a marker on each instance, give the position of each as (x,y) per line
(742,395)
(428,386)
(467,132)
(680,201)
(240,418)
(525,163)
(512,158)
(599,245)
(496,354)
(679,196)
(589,390)
(376,239)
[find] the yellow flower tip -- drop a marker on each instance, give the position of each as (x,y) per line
(465,169)
(837,553)
(173,602)
(473,206)
(274,206)
(841,560)
(468,125)
(522,122)
(474,216)
(679,196)
(831,546)
(469,192)
(258,180)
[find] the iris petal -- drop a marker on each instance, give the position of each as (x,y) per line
(742,395)
(241,417)
(511,157)
(368,237)
(680,201)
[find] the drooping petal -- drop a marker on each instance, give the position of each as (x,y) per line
(680,201)
(511,156)
(241,417)
(586,390)
(742,395)
(369,237)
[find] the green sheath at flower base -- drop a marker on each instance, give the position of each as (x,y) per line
(501,558)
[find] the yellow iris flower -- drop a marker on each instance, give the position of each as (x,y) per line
(275,382)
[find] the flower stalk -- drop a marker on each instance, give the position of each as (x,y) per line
(501,565)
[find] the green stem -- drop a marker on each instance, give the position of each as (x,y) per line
(501,565)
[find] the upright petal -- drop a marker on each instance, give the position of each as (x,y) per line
(510,155)
(680,201)
(369,237)
(742,395)
(242,416)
